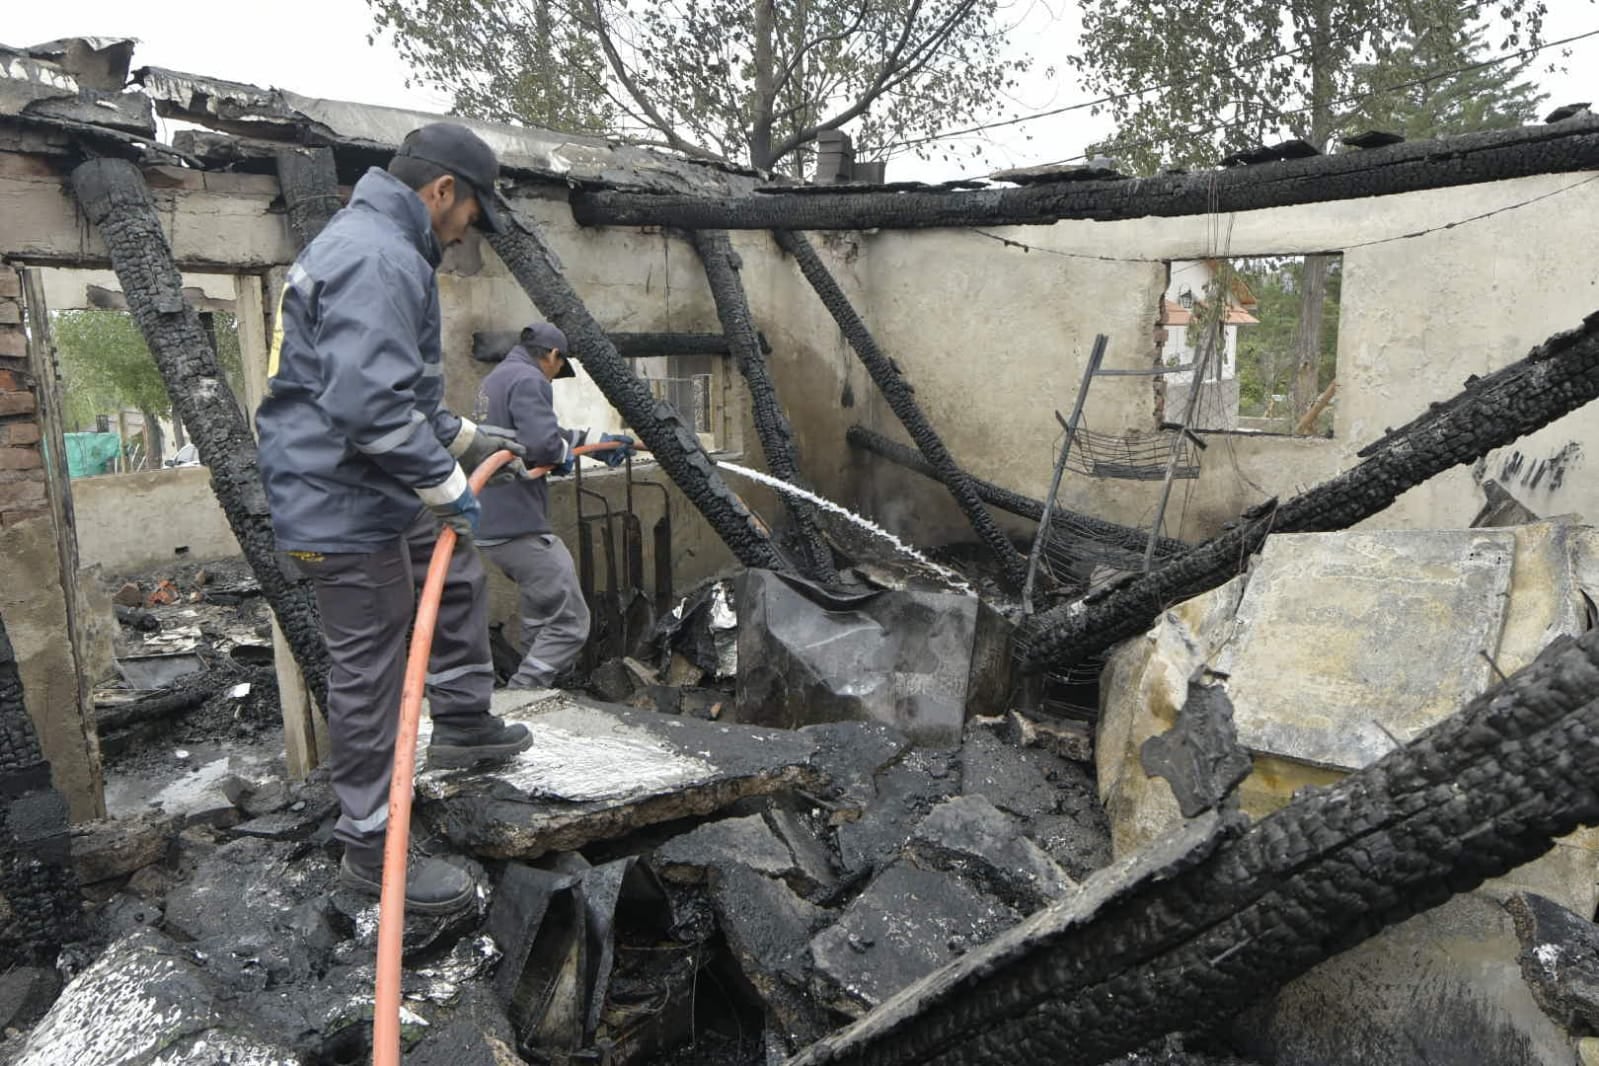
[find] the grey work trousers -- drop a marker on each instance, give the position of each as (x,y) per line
(555,620)
(367,602)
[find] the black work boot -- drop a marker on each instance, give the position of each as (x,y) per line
(432,886)
(463,741)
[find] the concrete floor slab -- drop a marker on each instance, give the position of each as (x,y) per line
(595,772)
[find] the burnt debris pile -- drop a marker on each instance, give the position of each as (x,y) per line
(194,662)
(649,883)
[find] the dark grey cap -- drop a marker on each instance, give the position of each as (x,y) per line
(464,154)
(540,337)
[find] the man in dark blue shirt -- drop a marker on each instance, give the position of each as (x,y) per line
(515,531)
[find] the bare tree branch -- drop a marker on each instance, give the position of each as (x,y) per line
(896,68)
(619,68)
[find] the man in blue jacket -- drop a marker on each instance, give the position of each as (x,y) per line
(361,462)
(516,531)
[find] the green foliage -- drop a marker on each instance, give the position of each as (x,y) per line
(106,367)
(1266,350)
(512,61)
(727,79)
(1407,97)
(1250,72)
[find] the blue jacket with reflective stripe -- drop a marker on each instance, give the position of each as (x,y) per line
(517,396)
(353,419)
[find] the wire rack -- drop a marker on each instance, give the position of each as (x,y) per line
(1136,457)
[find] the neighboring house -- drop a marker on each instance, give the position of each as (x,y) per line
(1181,315)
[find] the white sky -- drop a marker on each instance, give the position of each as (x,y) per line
(319,48)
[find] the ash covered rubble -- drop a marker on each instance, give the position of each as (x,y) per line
(655,887)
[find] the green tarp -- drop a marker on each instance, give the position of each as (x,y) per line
(89,454)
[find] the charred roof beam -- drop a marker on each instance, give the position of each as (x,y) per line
(1469,159)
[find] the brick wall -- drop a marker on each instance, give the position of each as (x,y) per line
(22,487)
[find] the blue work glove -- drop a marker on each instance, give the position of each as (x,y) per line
(474,443)
(453,504)
(614,456)
(578,438)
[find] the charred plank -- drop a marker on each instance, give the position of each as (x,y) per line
(897,391)
(310,186)
(43,908)
(771,424)
(113,196)
(1098,529)
(674,444)
(1467,159)
(1232,914)
(1554,379)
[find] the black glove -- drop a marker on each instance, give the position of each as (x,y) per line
(474,443)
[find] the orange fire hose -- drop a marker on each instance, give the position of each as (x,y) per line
(391,904)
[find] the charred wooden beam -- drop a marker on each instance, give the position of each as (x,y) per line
(490,346)
(1205,922)
(1075,522)
(898,392)
(1467,159)
(771,424)
(1555,378)
(310,186)
(184,694)
(44,909)
(674,443)
(114,198)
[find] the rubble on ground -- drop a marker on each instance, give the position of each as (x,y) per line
(661,882)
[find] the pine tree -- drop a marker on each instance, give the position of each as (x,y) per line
(1412,92)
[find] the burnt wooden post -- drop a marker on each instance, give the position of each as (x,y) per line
(43,909)
(1205,922)
(674,444)
(1555,378)
(897,391)
(113,195)
(771,424)
(310,187)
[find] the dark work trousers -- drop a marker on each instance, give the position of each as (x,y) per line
(367,602)
(555,620)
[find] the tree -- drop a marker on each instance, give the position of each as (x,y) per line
(742,80)
(519,61)
(1266,349)
(1413,94)
(107,368)
(1257,70)
(1246,74)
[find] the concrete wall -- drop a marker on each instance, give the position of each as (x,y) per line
(133,522)
(994,339)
